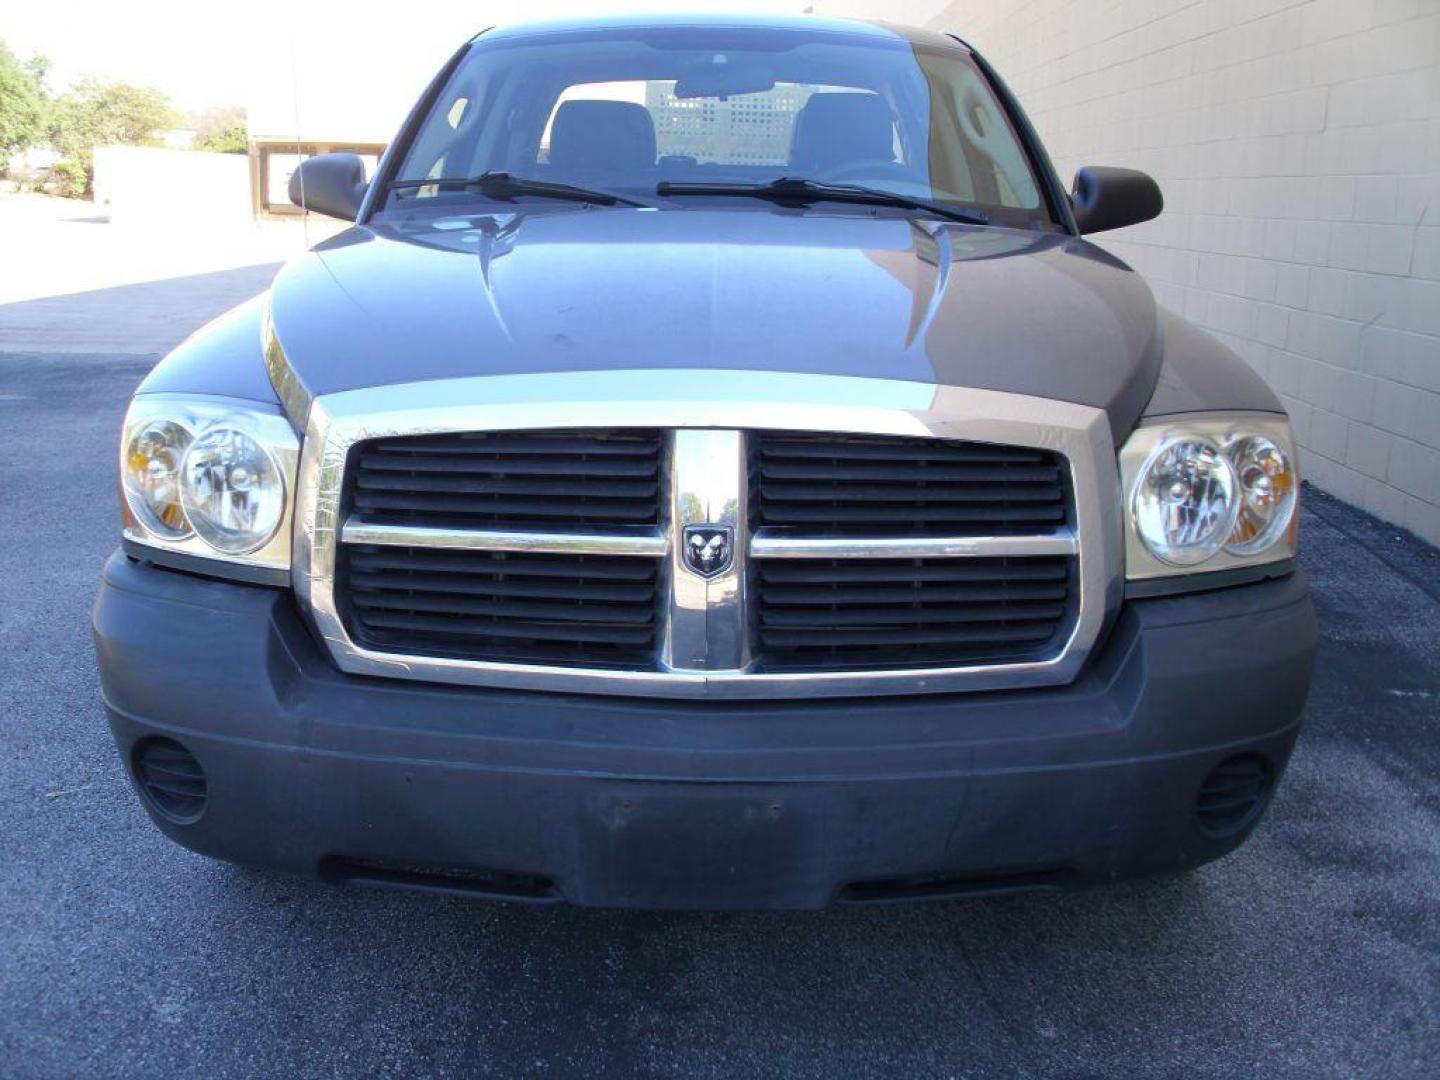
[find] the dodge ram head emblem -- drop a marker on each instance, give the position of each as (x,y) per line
(708,550)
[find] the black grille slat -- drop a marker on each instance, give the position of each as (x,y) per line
(782,595)
(918,471)
(460,562)
(458,463)
(634,443)
(510,480)
(857,614)
(924,491)
(568,610)
(453,584)
(838,514)
(581,633)
(532,486)
(868,638)
(835,484)
(907,616)
(907,570)
(506,608)
(513,511)
(907,451)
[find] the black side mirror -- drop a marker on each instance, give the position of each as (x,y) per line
(332,184)
(1106,198)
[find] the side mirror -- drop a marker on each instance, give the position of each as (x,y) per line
(332,184)
(1106,198)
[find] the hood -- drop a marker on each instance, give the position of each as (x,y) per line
(574,289)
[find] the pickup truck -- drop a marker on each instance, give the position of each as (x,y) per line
(716,470)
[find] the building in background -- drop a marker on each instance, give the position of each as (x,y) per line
(751,128)
(340,85)
(1298,147)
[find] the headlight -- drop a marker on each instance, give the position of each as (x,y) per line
(1185,501)
(210,478)
(232,491)
(1207,493)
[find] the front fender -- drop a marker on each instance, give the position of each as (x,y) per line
(1199,374)
(224,357)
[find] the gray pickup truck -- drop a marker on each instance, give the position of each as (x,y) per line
(714,471)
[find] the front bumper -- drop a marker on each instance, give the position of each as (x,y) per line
(636,802)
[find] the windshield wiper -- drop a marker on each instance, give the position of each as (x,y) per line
(797,189)
(502,185)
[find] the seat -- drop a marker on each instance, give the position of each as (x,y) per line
(609,136)
(834,130)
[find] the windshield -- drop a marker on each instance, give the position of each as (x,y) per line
(626,109)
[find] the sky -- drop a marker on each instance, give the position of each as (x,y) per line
(208,53)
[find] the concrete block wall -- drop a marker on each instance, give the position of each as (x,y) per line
(1298,146)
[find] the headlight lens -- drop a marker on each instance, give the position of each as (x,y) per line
(151,474)
(1185,502)
(232,491)
(210,477)
(1209,492)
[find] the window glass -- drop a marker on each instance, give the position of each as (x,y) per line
(743,129)
(626,108)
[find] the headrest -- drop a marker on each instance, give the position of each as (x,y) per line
(836,129)
(603,134)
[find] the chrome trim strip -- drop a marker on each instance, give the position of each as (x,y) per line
(294,398)
(730,401)
(704,628)
(651,543)
(145,551)
(772,543)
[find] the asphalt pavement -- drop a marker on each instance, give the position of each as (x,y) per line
(1312,951)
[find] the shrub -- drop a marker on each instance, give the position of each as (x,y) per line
(71,179)
(232,140)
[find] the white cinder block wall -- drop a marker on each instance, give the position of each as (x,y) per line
(1298,146)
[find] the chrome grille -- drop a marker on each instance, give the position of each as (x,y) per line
(534,539)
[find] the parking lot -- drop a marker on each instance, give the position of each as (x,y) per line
(1314,950)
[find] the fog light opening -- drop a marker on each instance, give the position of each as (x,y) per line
(171,779)
(1234,795)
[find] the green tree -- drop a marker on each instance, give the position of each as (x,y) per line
(95,113)
(22,103)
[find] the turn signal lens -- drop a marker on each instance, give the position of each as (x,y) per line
(151,476)
(1268,488)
